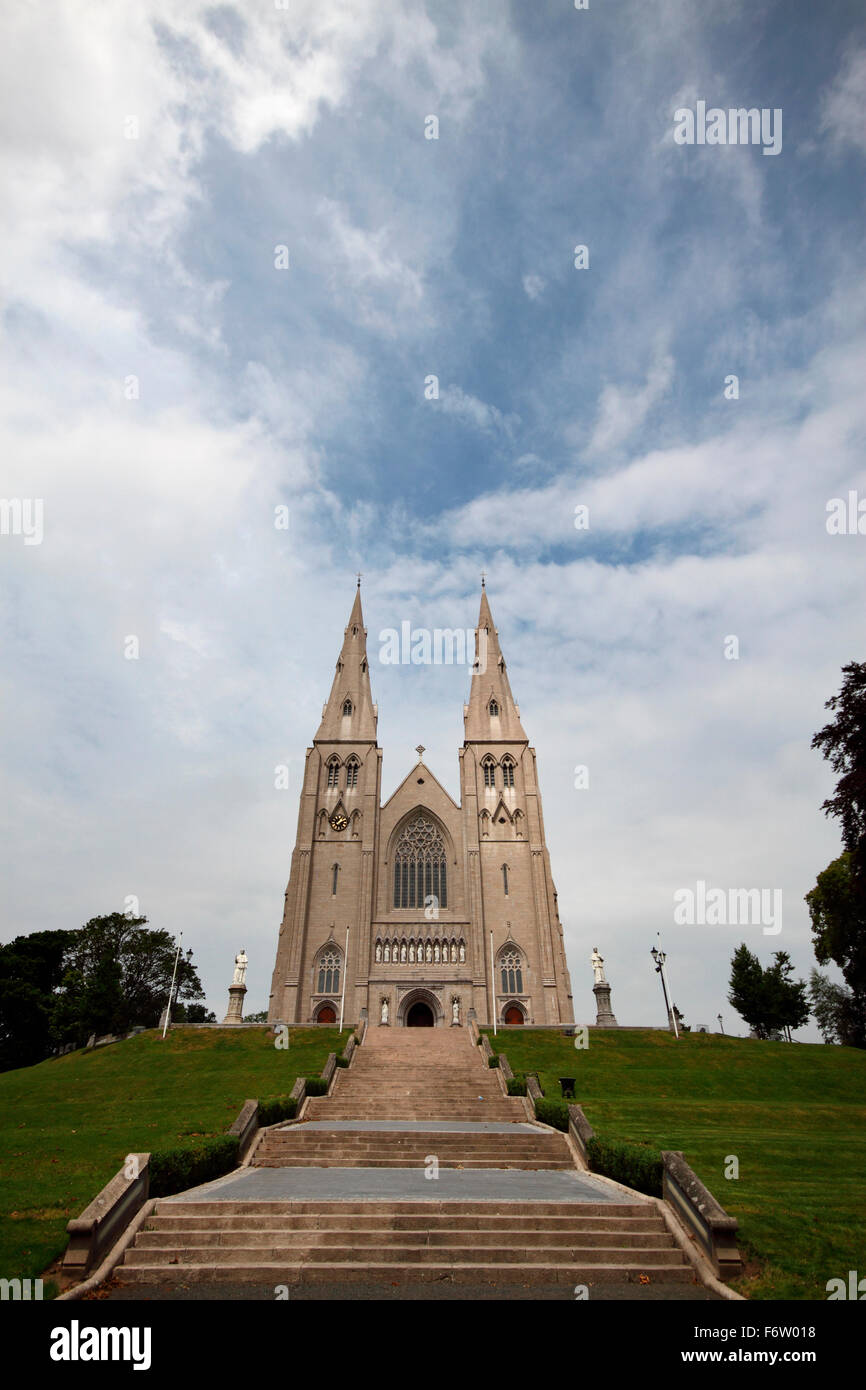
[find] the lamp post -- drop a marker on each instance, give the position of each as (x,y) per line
(721,1025)
(659,958)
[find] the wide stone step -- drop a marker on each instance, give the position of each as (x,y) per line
(627,1257)
(171,1206)
(500,1227)
(280,1237)
(371,1161)
(288,1272)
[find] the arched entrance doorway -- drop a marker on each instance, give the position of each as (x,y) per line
(419,1016)
(513,1015)
(326,1015)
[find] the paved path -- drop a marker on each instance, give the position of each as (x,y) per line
(403,1184)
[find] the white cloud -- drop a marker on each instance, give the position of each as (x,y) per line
(844,102)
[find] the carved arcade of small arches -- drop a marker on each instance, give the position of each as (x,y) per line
(417,951)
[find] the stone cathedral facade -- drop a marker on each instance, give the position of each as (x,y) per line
(421,882)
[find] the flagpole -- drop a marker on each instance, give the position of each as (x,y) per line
(493,982)
(171,987)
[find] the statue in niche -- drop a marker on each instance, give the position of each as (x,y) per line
(429,953)
(403,954)
(378,951)
(387,953)
(385,1013)
(436,952)
(462,952)
(411,952)
(455,1011)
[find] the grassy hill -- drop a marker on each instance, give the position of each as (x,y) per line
(66,1125)
(794,1114)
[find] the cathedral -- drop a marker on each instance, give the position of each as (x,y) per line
(449,907)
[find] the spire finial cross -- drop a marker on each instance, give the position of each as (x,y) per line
(419,750)
(359,579)
(483,577)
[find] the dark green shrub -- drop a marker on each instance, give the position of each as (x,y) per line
(552,1112)
(174,1170)
(516,1086)
(342,1061)
(316,1085)
(635,1165)
(277,1108)
(493,1061)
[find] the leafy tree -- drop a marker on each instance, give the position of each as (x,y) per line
(838,1013)
(257,1018)
(31,970)
(192,1013)
(786,1002)
(118,977)
(838,916)
(769,1000)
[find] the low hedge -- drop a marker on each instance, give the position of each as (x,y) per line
(174,1170)
(493,1061)
(342,1061)
(277,1108)
(552,1112)
(634,1165)
(516,1085)
(316,1085)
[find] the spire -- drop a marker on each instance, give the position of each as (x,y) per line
(351,689)
(491,715)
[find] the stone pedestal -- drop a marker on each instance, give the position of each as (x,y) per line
(604,1013)
(236,1004)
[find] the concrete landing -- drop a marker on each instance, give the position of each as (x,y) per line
(403,1184)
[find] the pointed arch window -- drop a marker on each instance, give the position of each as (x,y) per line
(489,772)
(511,967)
(505,879)
(347,707)
(494,708)
(329,972)
(507,772)
(335,870)
(420,865)
(352,772)
(334,772)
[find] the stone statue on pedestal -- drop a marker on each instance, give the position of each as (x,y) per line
(240,967)
(237,990)
(601,990)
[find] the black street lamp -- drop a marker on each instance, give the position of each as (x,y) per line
(659,957)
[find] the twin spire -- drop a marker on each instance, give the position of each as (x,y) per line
(491,715)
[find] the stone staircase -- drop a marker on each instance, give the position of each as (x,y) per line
(417,1074)
(294,1216)
(412,1242)
(301,1147)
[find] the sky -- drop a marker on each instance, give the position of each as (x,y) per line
(239,276)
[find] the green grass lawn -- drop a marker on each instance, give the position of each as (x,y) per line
(66,1125)
(792,1113)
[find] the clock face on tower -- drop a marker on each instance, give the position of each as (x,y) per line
(339,820)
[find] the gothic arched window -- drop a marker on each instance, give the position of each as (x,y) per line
(511,965)
(334,772)
(489,772)
(419,865)
(335,871)
(347,707)
(352,772)
(505,878)
(507,772)
(494,708)
(329,971)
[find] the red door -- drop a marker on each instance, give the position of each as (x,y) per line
(513,1015)
(327,1015)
